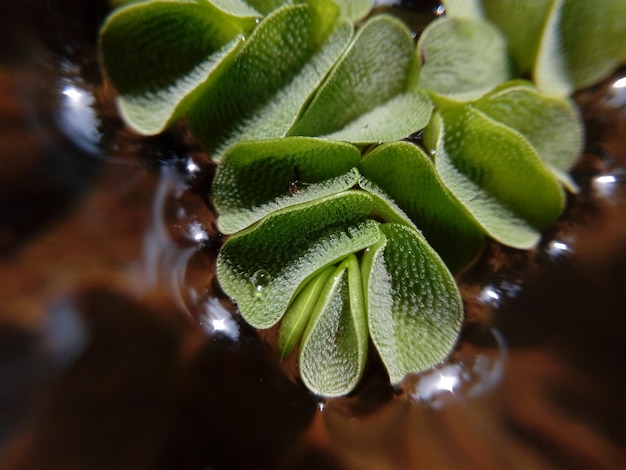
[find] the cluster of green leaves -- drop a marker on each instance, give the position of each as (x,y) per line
(338,229)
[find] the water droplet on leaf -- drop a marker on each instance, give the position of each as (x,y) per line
(261,279)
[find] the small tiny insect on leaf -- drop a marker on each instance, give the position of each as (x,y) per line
(293,184)
(296,180)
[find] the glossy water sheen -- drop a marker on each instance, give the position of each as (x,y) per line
(118,350)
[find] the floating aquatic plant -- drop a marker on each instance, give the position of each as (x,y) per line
(339,229)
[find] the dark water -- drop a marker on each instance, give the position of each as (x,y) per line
(118,350)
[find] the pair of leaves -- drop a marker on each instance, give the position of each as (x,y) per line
(407,177)
(272,76)
(566,45)
(330,317)
(297,261)
(359,89)
(372,91)
(502,157)
(302,169)
(401,296)
(162,54)
(300,71)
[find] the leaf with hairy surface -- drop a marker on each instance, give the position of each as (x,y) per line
(413,303)
(266,265)
(161,55)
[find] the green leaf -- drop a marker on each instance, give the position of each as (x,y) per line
(581,44)
(462,59)
(384,207)
(355,10)
(408,176)
(566,45)
(239,8)
(553,126)
(263,267)
(257,178)
(496,173)
(370,95)
(267,6)
(334,346)
(161,54)
(272,76)
(463,9)
(523,23)
(413,303)
(299,312)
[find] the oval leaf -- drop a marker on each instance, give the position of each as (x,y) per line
(581,44)
(257,178)
(370,95)
(354,10)
(408,176)
(553,126)
(491,169)
(334,346)
(272,76)
(414,306)
(463,9)
(159,54)
(462,58)
(523,23)
(263,267)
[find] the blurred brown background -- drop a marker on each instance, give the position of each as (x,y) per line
(117,350)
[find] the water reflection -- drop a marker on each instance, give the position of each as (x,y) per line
(497,291)
(475,368)
(192,167)
(161,257)
(607,185)
(77,119)
(617,93)
(180,247)
(176,233)
(215,318)
(490,296)
(64,333)
(559,251)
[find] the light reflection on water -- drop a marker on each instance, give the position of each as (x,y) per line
(617,93)
(179,248)
(64,333)
(215,318)
(164,263)
(606,186)
(469,373)
(77,117)
(170,243)
(496,292)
